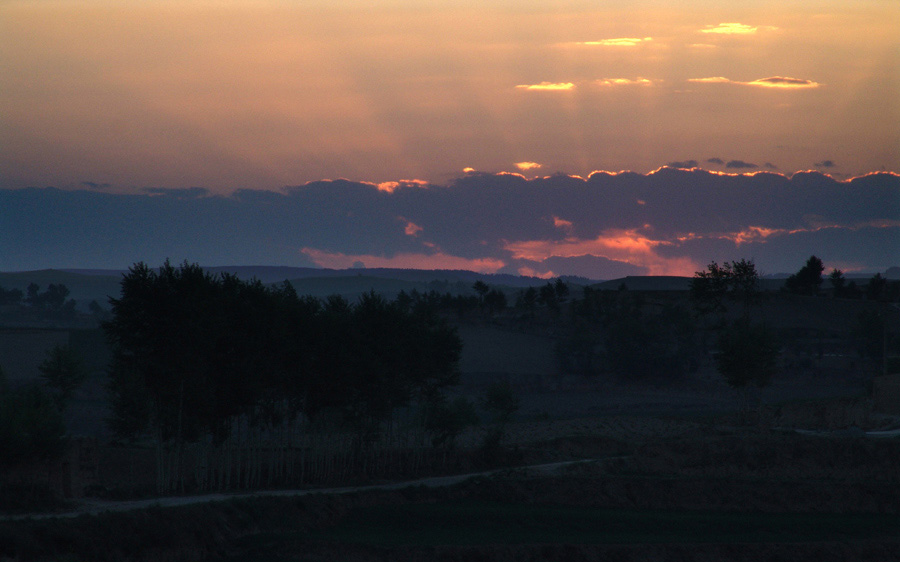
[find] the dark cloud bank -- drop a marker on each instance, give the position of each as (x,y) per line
(608,225)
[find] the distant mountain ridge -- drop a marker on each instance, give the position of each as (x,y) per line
(87,285)
(278,273)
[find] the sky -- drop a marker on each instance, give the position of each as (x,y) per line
(203,103)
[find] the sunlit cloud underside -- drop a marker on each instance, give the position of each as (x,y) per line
(624,82)
(735,29)
(618,42)
(547,86)
(770,82)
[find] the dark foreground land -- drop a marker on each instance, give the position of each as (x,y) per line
(671,470)
(703,490)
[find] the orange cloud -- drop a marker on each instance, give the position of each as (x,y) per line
(529,272)
(623,82)
(439,260)
(527,165)
(618,42)
(784,82)
(562,223)
(548,86)
(754,234)
(468,170)
(412,229)
(628,246)
(711,80)
(391,186)
(761,234)
(735,29)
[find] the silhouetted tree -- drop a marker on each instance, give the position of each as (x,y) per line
(10,296)
(53,299)
(33,296)
(561,289)
(200,358)
(526,300)
(446,419)
(55,296)
(808,280)
(709,288)
(745,284)
(494,301)
(63,371)
(738,281)
(875,288)
(183,337)
(548,298)
(838,282)
(501,401)
(641,345)
(31,426)
(481,288)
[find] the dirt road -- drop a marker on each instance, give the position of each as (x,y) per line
(94,506)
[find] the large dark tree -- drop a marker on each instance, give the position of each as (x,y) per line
(191,352)
(748,352)
(196,356)
(63,370)
(31,426)
(737,281)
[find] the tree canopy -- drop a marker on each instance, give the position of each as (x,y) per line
(808,280)
(194,352)
(737,280)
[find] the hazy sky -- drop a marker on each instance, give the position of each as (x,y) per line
(145,97)
(262,94)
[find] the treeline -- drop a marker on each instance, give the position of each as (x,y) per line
(809,280)
(635,336)
(32,430)
(620,332)
(265,386)
(53,299)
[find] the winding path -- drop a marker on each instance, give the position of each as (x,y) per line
(93,507)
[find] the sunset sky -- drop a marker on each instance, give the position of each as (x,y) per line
(131,101)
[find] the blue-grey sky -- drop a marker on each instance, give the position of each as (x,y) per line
(669,222)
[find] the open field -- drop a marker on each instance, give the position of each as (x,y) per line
(688,495)
(679,465)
